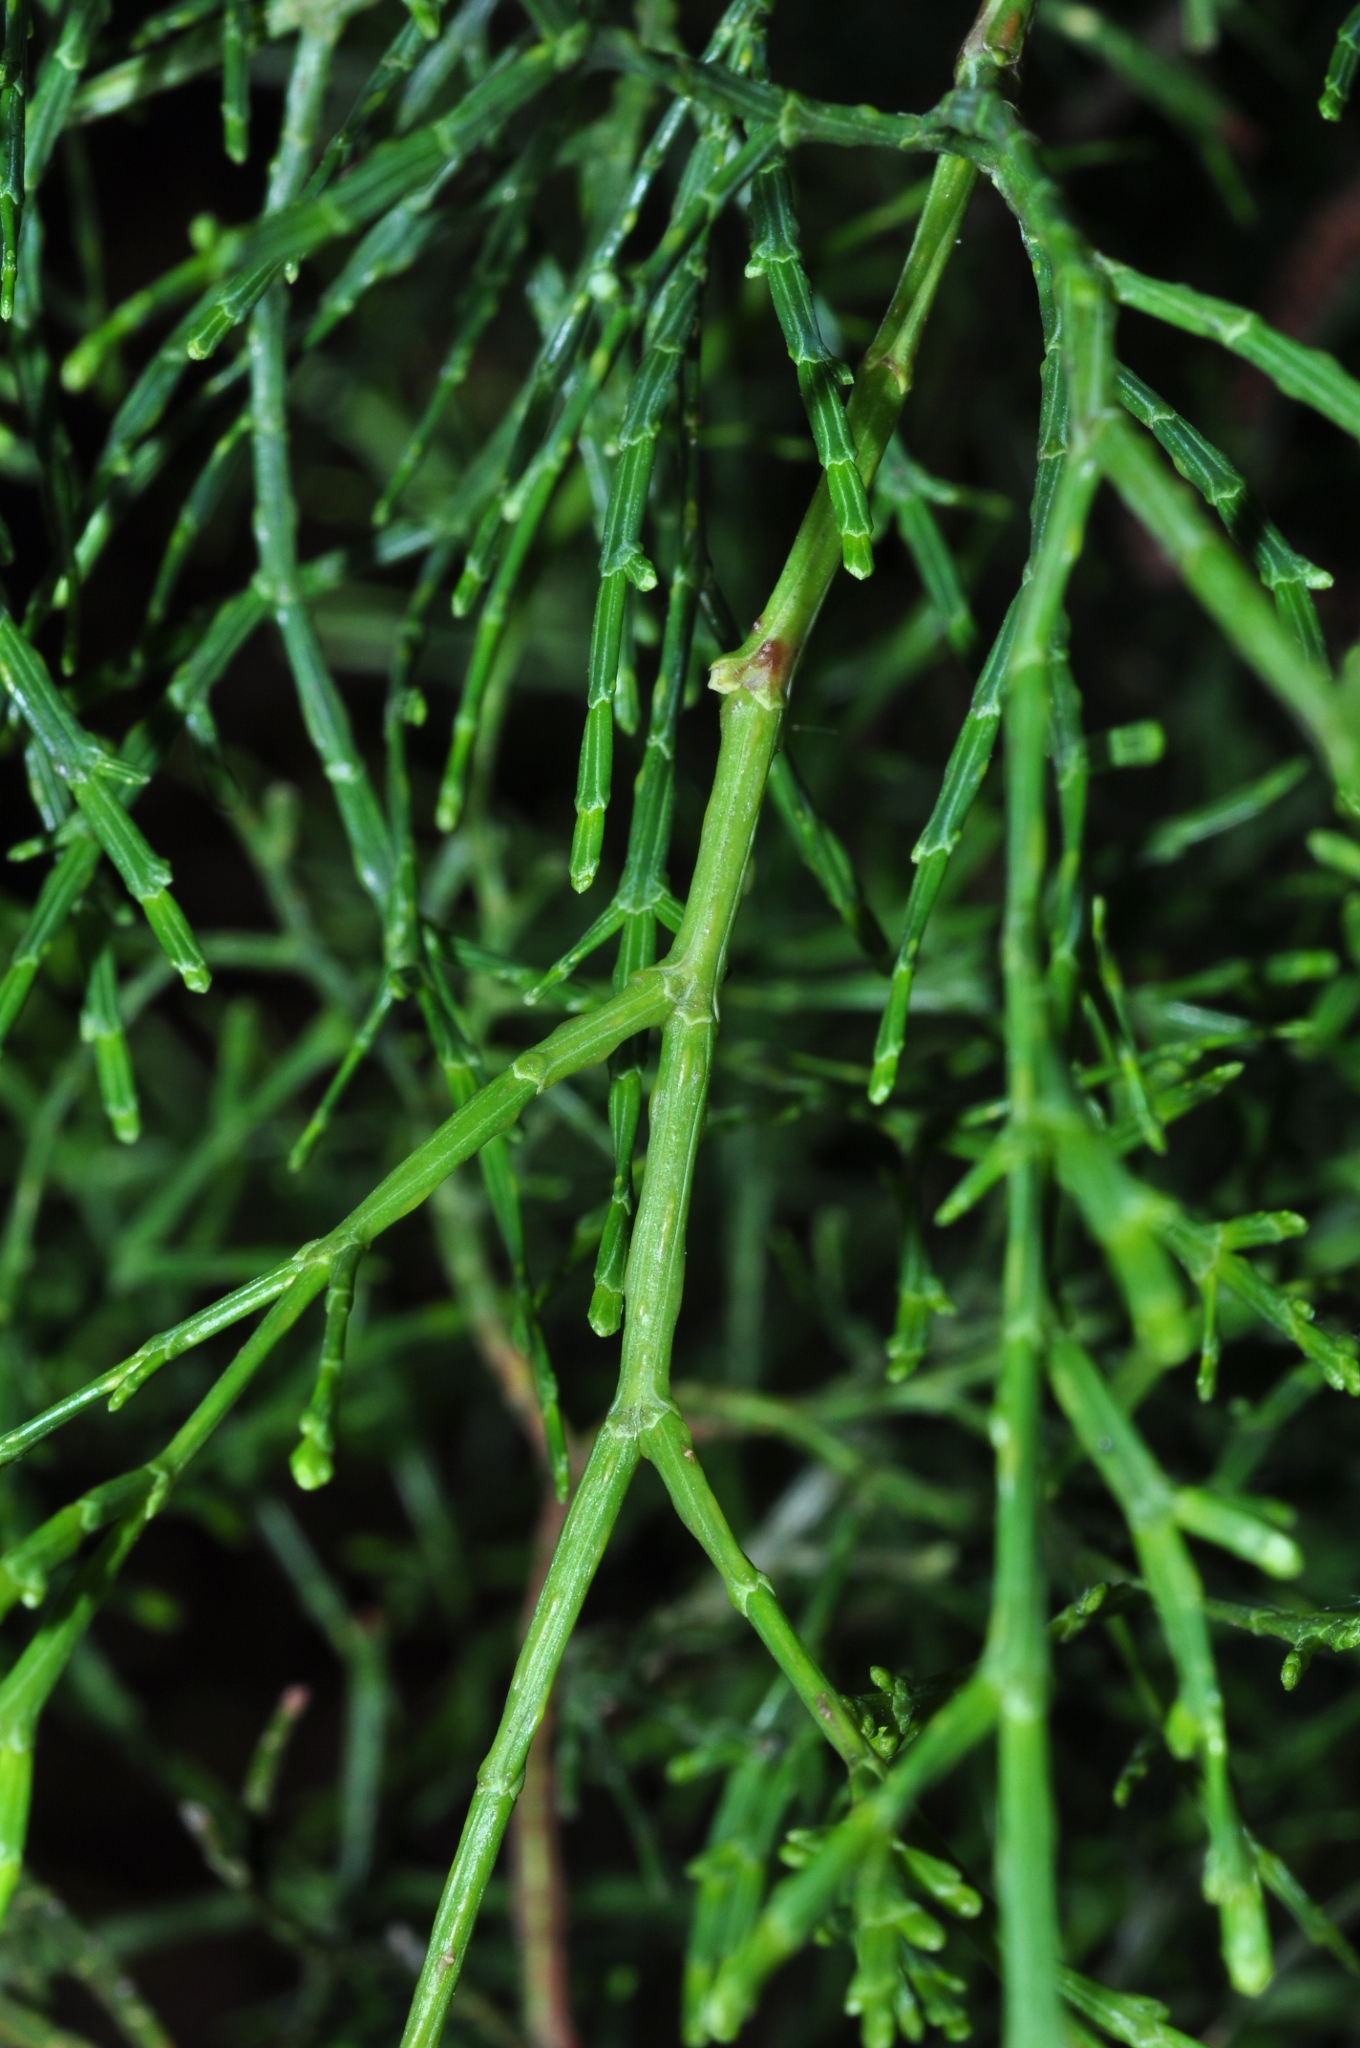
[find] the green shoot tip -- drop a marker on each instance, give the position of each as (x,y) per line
(305,1146)
(606,1310)
(311,1465)
(586,844)
(177,941)
(858,555)
(883,1080)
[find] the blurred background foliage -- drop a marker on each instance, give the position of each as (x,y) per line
(250,1780)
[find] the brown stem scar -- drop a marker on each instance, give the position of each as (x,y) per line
(763,668)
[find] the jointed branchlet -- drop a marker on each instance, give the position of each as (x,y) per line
(101,1026)
(1341,70)
(774,256)
(98,780)
(907,490)
(643,900)
(622,561)
(312,1462)
(511,522)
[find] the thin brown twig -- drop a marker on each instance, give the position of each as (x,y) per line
(538,1878)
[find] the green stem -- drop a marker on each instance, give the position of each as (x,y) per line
(585,1533)
(1195,1724)
(755,684)
(766,662)
(1228,591)
(1018,1648)
(667,1443)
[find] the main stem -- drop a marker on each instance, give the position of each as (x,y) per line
(1017,1648)
(643,1417)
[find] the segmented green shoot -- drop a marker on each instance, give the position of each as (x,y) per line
(214,253)
(202,501)
(143,1240)
(98,781)
(1308,374)
(261,1778)
(359,1047)
(622,561)
(1341,69)
(730,1871)
(1126,1055)
(323,710)
(1209,1254)
(58,77)
(392,245)
(1232,596)
(101,1026)
(434,63)
(971,754)
(236,79)
(150,71)
(967,765)
(826,858)
(312,1461)
(462,1073)
(798,1904)
(1195,1726)
(1017,1651)
(597,281)
(1071,773)
(643,900)
(1286,574)
(774,256)
(706,190)
(301,225)
(920,1298)
(904,487)
(62,889)
(168,21)
(1174,837)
